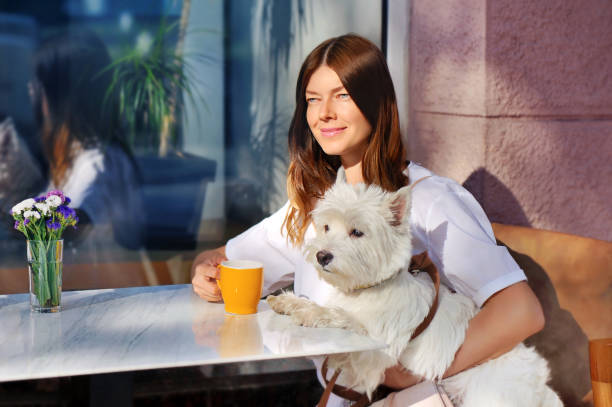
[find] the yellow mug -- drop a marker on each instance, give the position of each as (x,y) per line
(241,283)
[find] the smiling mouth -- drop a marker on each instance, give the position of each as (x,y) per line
(332,131)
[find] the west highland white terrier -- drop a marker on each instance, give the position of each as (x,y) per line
(363,248)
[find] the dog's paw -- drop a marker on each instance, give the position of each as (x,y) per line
(315,316)
(283,303)
(276,304)
(307,316)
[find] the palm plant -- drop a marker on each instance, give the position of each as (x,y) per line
(149,87)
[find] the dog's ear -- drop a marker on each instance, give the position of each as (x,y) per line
(340,175)
(399,205)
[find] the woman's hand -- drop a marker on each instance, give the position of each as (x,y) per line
(398,378)
(204,274)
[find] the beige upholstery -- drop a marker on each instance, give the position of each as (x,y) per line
(579,268)
(572,277)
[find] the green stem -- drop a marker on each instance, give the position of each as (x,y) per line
(35,265)
(46,272)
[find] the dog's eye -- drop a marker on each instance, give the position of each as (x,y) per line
(326,228)
(356,233)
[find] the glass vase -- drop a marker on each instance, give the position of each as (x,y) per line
(45,274)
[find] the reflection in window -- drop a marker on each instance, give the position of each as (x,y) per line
(204,93)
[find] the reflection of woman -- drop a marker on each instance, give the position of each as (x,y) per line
(346,114)
(80,134)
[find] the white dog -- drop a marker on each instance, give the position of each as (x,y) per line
(362,248)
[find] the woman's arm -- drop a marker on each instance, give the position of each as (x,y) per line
(506,318)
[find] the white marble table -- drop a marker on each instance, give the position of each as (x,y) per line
(114,330)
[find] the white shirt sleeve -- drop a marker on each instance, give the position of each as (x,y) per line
(266,243)
(460,241)
(86,187)
(104,185)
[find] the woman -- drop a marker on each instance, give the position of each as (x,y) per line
(346,114)
(80,132)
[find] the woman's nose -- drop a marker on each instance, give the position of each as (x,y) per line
(327,110)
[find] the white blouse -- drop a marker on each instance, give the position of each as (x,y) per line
(104,184)
(446,221)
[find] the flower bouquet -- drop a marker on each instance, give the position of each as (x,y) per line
(43,220)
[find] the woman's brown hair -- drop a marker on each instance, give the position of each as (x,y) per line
(363,71)
(70,75)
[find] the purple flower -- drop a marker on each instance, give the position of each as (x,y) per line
(40,198)
(56,192)
(26,221)
(17,223)
(66,212)
(67,200)
(53,225)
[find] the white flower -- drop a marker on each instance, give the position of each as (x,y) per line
(53,201)
(31,214)
(23,205)
(42,207)
(28,203)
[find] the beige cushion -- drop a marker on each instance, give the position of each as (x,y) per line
(579,268)
(572,277)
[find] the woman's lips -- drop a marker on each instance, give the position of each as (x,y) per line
(332,131)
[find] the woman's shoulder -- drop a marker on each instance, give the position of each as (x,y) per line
(87,164)
(107,158)
(431,191)
(430,186)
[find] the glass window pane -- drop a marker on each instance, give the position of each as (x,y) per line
(165,121)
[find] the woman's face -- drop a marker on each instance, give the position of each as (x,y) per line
(333,117)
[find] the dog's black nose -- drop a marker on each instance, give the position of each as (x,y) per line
(324,257)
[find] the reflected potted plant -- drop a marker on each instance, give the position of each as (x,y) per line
(151,86)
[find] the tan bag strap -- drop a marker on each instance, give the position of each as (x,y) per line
(423,262)
(329,385)
(414,184)
(342,391)
(418,262)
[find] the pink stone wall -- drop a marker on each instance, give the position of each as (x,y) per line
(513,98)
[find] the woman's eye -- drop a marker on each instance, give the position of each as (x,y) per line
(326,228)
(356,233)
(344,96)
(311,100)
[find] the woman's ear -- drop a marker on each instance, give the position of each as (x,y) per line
(340,175)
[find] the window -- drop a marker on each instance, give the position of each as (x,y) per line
(221,119)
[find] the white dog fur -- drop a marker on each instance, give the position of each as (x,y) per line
(367,232)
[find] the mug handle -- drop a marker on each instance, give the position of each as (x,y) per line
(219,279)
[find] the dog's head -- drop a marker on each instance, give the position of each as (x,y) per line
(363,234)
